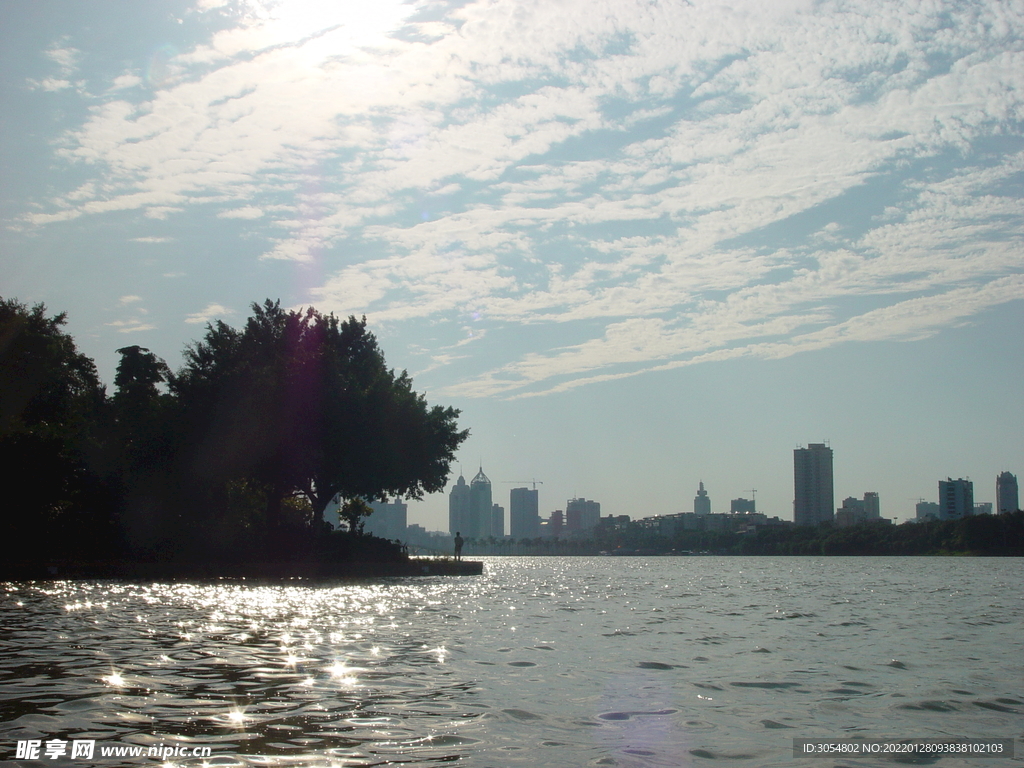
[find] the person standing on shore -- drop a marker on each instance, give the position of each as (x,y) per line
(458,545)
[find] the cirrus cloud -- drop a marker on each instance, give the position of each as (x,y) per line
(653,184)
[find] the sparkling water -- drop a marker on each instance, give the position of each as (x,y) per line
(605,661)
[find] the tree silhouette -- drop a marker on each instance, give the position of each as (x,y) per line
(51,403)
(354,513)
(236,460)
(304,404)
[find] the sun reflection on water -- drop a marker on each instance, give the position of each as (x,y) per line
(431,671)
(294,668)
(236,717)
(115,679)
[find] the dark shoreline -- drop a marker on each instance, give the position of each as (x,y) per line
(216,570)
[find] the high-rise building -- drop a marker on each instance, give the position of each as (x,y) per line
(956,499)
(480,507)
(1007,499)
(851,513)
(581,515)
(556,523)
(742,506)
(812,483)
(524,513)
(458,508)
(701,502)
(926,510)
(388,519)
(856,511)
(872,510)
(497,521)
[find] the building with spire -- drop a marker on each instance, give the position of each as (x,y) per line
(701,502)
(480,507)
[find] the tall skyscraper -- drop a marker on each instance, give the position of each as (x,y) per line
(497,521)
(581,515)
(812,484)
(956,499)
(524,513)
(872,510)
(458,508)
(1007,499)
(701,502)
(480,504)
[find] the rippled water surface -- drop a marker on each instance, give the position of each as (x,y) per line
(695,661)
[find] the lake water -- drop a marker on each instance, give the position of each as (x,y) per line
(690,661)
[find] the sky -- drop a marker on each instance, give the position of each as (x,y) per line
(638,244)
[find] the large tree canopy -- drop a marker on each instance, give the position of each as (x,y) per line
(304,403)
(47,387)
(51,403)
(232,457)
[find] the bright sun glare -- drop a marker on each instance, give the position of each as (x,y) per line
(115,679)
(236,716)
(329,28)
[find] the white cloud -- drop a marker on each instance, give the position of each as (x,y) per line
(65,57)
(131,326)
(689,180)
(210,313)
(906,321)
(126,81)
(248,212)
(51,84)
(161,212)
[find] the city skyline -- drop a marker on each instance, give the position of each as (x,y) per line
(639,246)
(580,516)
(813,459)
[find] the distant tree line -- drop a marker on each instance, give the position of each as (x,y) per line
(1001,534)
(232,457)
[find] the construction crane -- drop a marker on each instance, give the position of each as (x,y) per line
(753,493)
(525,481)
